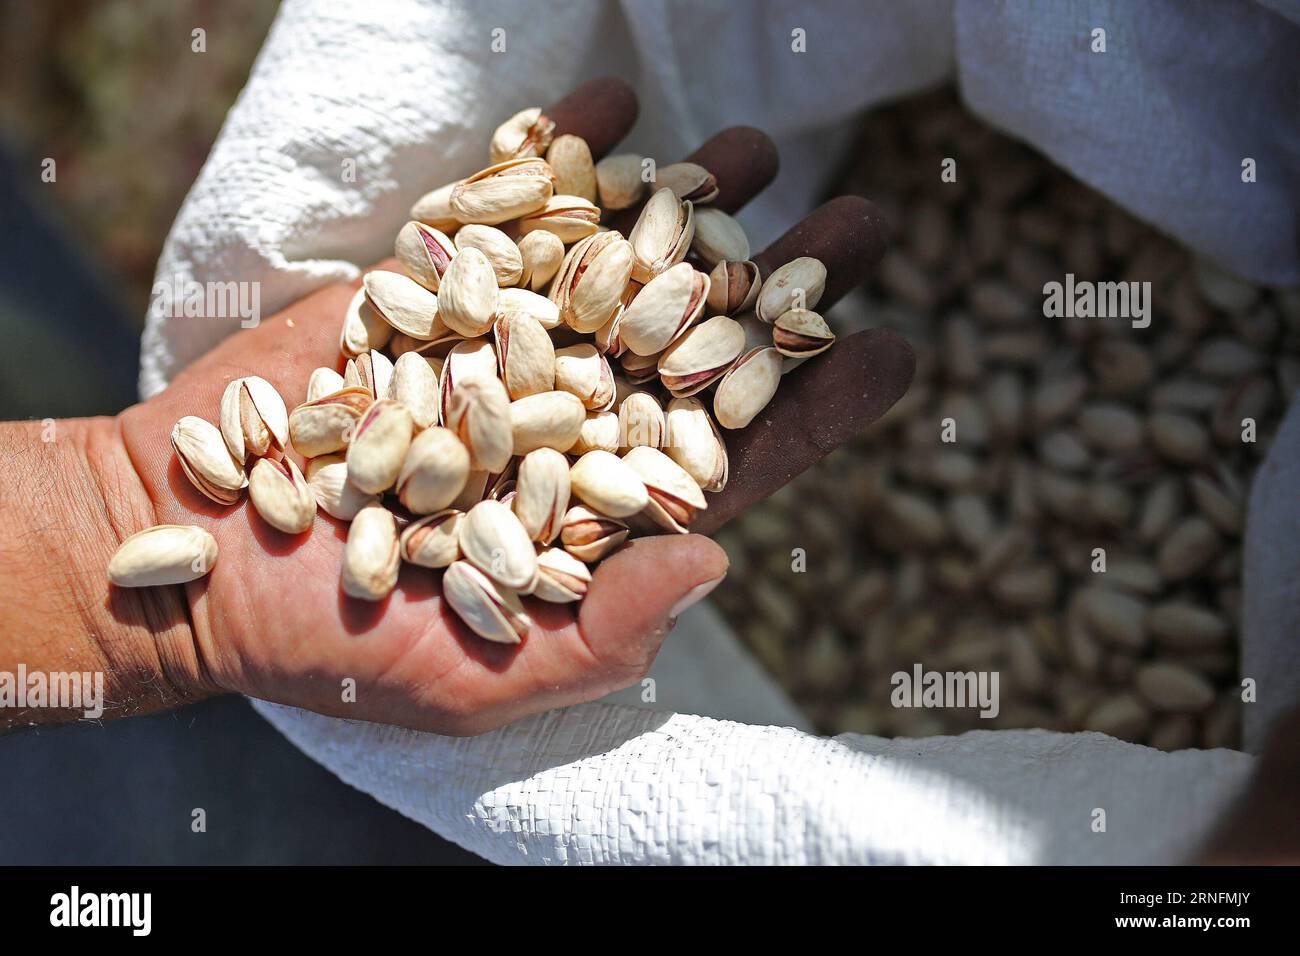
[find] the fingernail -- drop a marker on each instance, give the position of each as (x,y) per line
(695,595)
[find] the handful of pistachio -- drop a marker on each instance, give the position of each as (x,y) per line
(532,389)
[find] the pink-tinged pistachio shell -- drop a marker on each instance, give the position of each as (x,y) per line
(470,358)
(801,333)
(433,541)
(467,298)
(500,250)
(434,472)
(479,413)
(363,328)
(527,133)
(327,476)
(662,235)
(582,371)
(546,420)
(404,304)
(561,578)
(694,442)
(206,460)
(675,497)
(281,495)
(415,385)
(589,535)
(569,217)
(326,424)
(506,190)
(734,286)
(491,612)
(688,181)
(575,171)
(379,446)
(541,254)
(798,284)
(425,253)
(542,493)
(494,540)
(641,421)
(254,421)
(747,388)
(605,483)
(525,354)
(718,237)
(600,431)
(664,309)
(592,280)
(701,356)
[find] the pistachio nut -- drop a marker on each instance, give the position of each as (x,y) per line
(434,471)
(471,358)
(582,371)
(540,254)
(607,337)
(662,235)
(379,446)
(608,485)
(492,613)
(600,430)
(542,493)
(493,539)
(589,535)
(525,354)
(694,442)
(434,209)
(570,217)
(641,421)
(371,559)
(718,237)
(801,333)
(664,309)
(675,497)
(512,301)
(415,385)
(433,541)
(546,420)
(326,424)
(363,329)
(206,460)
(467,298)
(561,578)
(324,381)
(327,476)
(506,259)
(798,284)
(527,133)
(404,304)
(734,286)
(591,280)
(575,172)
(254,421)
(639,369)
(163,554)
(424,252)
(747,387)
(372,371)
(479,413)
(688,181)
(506,190)
(619,181)
(701,356)
(281,495)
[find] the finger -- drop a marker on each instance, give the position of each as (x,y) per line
(828,399)
(602,111)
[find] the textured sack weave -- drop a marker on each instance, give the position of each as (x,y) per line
(410,91)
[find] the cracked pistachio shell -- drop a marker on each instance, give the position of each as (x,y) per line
(163,554)
(525,354)
(404,304)
(527,133)
(424,252)
(607,337)
(694,442)
(434,471)
(363,329)
(600,431)
(718,237)
(641,421)
(372,371)
(582,371)
(433,541)
(254,421)
(415,385)
(801,333)
(546,420)
(206,460)
(675,497)
(701,356)
(281,495)
(371,558)
(540,255)
(324,381)
(379,446)
(493,539)
(542,493)
(467,298)
(479,413)
(569,217)
(506,259)
(471,358)
(747,388)
(561,578)
(734,286)
(512,301)
(619,181)
(492,613)
(639,369)
(506,190)
(591,281)
(662,235)
(575,171)
(798,284)
(326,424)
(688,181)
(434,209)
(327,476)
(664,309)
(605,483)
(589,535)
